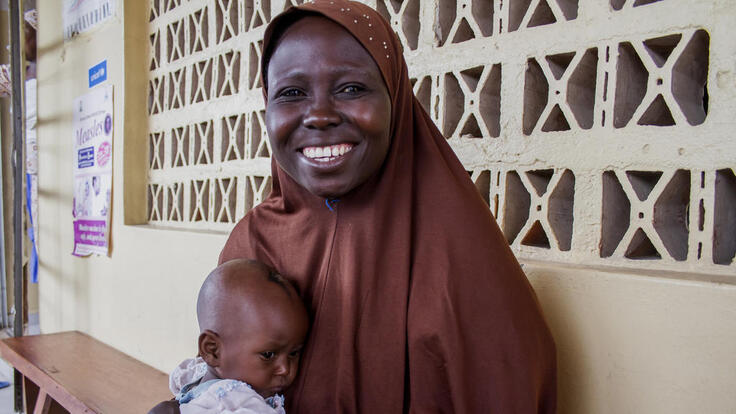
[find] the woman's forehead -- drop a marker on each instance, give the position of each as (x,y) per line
(316,43)
(300,35)
(364,25)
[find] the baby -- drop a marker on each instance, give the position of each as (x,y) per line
(252,328)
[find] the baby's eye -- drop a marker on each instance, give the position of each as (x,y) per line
(268,355)
(295,354)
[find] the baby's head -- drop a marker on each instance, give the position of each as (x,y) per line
(252,326)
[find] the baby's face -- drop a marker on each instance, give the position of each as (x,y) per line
(265,353)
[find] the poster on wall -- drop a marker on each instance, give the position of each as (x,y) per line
(80,16)
(92,122)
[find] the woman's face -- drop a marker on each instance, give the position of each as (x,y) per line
(328,114)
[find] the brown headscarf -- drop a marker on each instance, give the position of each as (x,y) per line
(417,302)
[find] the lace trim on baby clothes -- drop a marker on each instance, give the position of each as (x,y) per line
(190,371)
(227,385)
(276,402)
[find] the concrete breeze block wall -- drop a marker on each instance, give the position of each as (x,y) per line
(595,130)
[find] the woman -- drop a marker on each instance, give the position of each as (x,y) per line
(417,303)
(416,300)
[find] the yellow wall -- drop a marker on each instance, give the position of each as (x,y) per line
(141,299)
(632,343)
(627,342)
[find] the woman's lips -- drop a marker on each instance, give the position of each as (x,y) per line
(327,153)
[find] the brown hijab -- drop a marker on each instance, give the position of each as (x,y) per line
(417,302)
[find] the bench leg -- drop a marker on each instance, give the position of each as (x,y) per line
(30,395)
(36,400)
(43,403)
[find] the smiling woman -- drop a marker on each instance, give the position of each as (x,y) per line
(416,301)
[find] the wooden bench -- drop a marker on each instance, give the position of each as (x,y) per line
(73,372)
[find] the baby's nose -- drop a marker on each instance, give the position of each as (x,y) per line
(282,367)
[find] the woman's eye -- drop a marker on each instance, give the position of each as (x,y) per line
(268,355)
(351,89)
(291,93)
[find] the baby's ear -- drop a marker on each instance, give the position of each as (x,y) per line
(210,345)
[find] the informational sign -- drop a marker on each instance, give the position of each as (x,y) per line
(83,15)
(98,73)
(93,133)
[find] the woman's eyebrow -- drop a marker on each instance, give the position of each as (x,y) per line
(343,69)
(299,73)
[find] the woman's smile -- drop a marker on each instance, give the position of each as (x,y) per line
(328,153)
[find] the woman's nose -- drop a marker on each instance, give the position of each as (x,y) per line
(321,114)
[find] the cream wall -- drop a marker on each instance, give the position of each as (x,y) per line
(639,343)
(141,299)
(650,342)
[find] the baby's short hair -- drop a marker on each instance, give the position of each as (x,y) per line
(275,277)
(237,277)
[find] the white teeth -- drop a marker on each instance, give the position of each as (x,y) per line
(327,153)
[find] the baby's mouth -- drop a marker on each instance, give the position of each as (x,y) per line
(273,391)
(327,153)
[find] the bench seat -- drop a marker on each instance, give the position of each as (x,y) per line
(73,372)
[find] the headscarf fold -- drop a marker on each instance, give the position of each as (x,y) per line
(416,300)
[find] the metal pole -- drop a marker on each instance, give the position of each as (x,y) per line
(17,63)
(18,74)
(3,281)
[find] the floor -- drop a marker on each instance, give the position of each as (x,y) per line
(6,371)
(6,394)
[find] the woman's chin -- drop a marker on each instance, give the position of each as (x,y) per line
(329,191)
